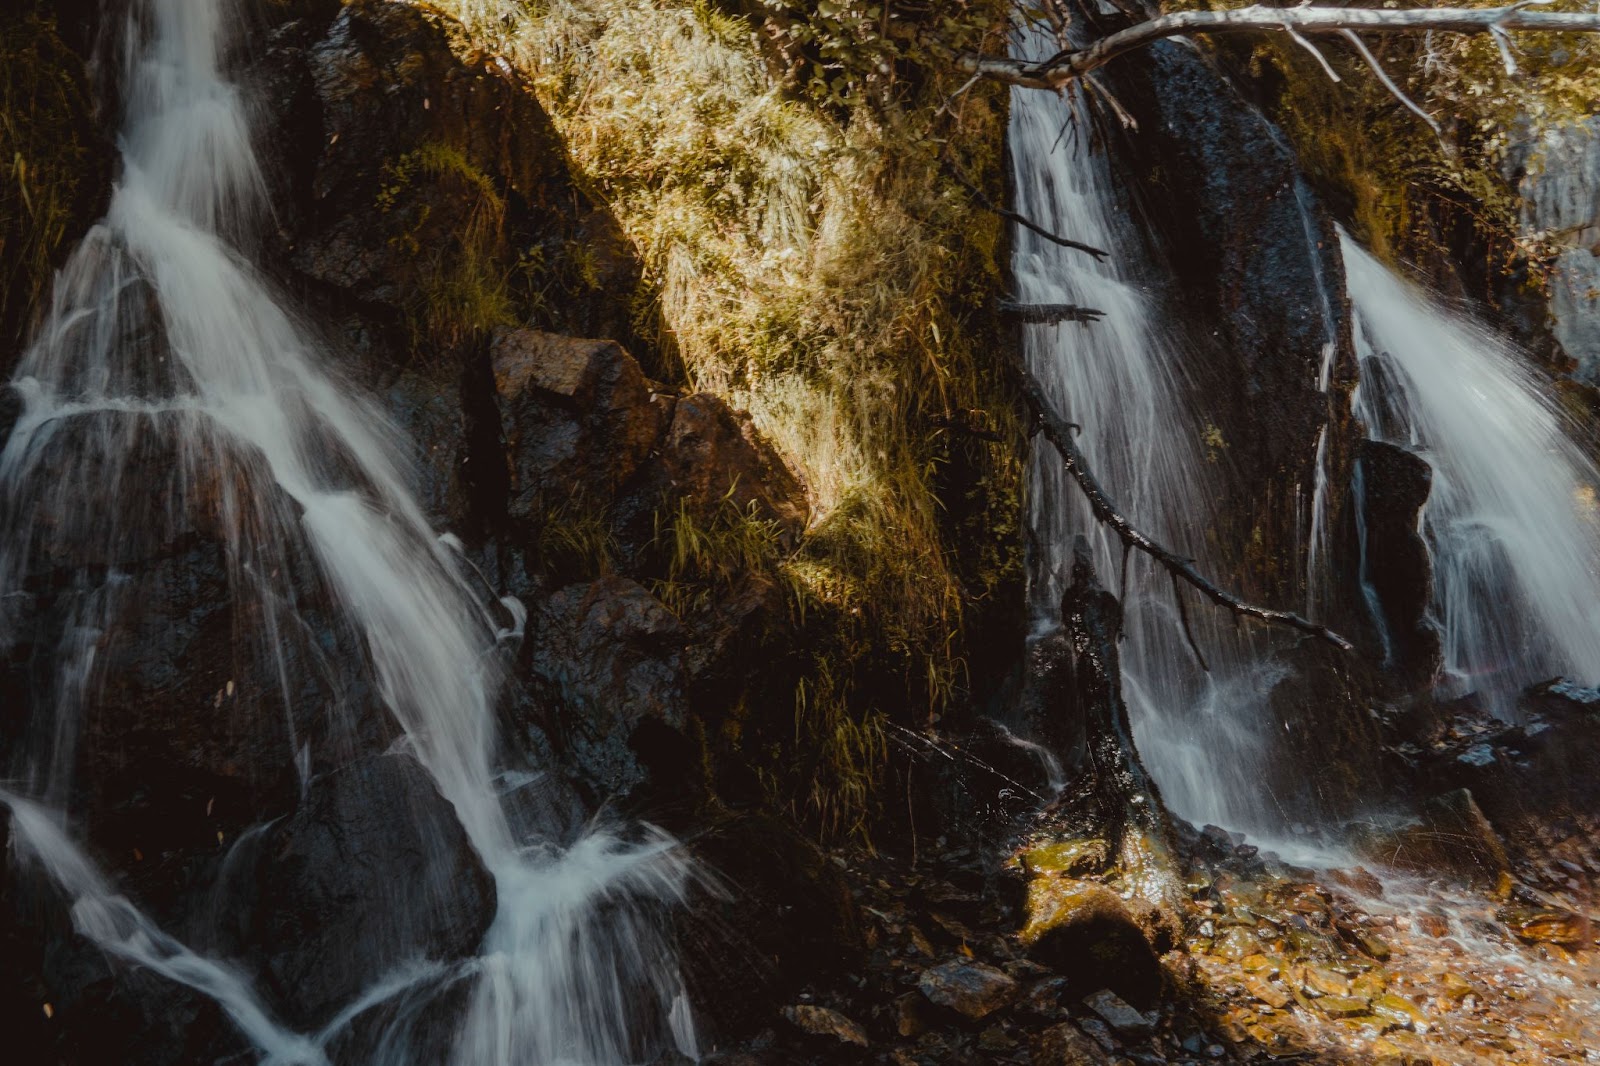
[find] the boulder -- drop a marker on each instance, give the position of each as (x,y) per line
(578,418)
(1091,936)
(610,655)
(1065,1045)
(373,871)
(825,1022)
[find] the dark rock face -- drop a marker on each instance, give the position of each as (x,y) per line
(372,871)
(1397,566)
(578,418)
(427,171)
(613,657)
(1257,267)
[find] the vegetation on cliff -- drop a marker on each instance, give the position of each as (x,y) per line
(803,187)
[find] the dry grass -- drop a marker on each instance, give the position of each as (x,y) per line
(812,262)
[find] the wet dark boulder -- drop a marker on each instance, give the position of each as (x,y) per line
(610,657)
(373,871)
(1396,565)
(578,420)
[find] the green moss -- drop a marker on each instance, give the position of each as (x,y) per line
(463,286)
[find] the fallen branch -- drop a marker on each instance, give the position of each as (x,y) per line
(1059,432)
(1049,314)
(1064,66)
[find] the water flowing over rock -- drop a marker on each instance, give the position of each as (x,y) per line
(1511,535)
(173,404)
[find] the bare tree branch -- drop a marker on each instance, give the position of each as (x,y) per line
(1058,431)
(1064,66)
(1048,314)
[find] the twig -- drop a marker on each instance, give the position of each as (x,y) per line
(1049,314)
(1058,431)
(1067,65)
(1395,90)
(1313,49)
(1026,223)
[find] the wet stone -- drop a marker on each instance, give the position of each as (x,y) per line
(1118,1014)
(1272,995)
(1343,1006)
(824,1022)
(973,989)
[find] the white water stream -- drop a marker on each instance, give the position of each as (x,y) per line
(161,328)
(1512,518)
(1203,735)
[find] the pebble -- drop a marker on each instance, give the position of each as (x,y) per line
(1115,1012)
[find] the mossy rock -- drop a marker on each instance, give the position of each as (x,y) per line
(1091,936)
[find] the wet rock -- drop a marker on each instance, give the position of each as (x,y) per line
(578,418)
(611,655)
(1118,1014)
(1271,994)
(1256,263)
(1069,857)
(1065,1045)
(972,989)
(1400,1011)
(1343,1006)
(825,1022)
(1462,836)
(322,908)
(1548,925)
(1090,935)
(1398,567)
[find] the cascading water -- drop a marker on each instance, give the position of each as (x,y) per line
(164,340)
(1511,522)
(1121,378)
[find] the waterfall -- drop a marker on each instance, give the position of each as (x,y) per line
(1123,380)
(163,336)
(1511,522)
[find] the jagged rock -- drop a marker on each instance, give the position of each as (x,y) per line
(713,457)
(578,419)
(612,656)
(372,871)
(972,989)
(823,1021)
(1118,1014)
(1453,837)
